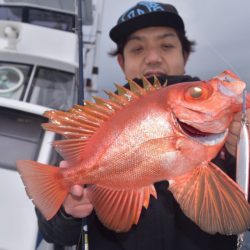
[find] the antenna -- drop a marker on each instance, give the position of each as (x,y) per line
(80,52)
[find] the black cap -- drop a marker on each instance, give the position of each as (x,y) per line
(146,14)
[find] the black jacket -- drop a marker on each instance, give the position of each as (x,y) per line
(163,226)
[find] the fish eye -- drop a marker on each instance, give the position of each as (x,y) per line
(195,91)
(198,92)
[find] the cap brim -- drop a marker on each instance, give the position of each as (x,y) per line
(121,31)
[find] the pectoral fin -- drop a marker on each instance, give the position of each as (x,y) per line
(118,210)
(212,200)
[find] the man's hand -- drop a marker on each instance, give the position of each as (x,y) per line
(234,132)
(76,203)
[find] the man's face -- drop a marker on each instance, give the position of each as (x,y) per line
(152,51)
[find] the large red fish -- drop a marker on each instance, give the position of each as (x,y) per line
(121,146)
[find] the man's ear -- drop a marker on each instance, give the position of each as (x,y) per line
(185,56)
(120,60)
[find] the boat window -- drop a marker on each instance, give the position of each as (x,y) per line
(53,88)
(41,17)
(20,135)
(51,19)
(14,79)
(11,13)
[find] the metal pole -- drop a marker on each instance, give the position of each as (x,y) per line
(80,53)
(84,231)
(95,69)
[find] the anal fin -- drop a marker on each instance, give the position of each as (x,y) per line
(212,200)
(119,209)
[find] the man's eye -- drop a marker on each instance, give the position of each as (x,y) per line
(168,46)
(137,49)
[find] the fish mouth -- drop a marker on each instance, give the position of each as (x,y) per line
(209,139)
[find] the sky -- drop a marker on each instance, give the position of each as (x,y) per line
(220,29)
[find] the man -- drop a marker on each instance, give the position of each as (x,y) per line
(151,40)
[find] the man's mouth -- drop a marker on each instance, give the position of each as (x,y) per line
(202,137)
(154,73)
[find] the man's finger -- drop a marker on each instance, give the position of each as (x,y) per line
(235,128)
(231,149)
(63,164)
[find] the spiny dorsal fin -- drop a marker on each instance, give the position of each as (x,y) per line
(128,94)
(79,123)
(100,108)
(107,103)
(86,118)
(157,84)
(118,99)
(147,85)
(136,88)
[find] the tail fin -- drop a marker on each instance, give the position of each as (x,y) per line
(44,185)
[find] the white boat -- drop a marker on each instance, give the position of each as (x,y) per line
(38,65)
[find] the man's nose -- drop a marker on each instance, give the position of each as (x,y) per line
(153,56)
